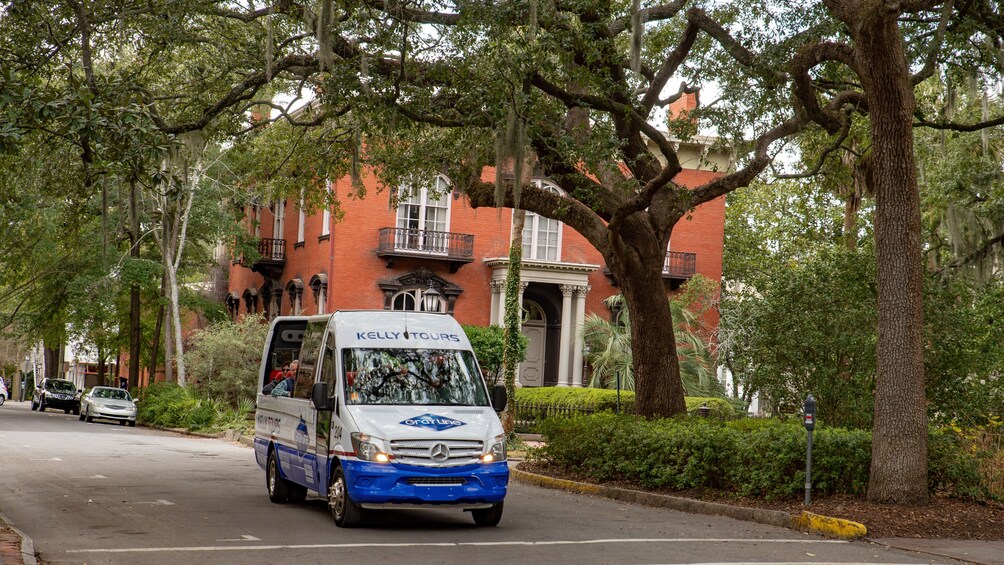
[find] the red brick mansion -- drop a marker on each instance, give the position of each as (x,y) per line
(381,257)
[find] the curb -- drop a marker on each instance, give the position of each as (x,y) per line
(27,546)
(806,522)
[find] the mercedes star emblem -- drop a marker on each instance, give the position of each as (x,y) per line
(439,452)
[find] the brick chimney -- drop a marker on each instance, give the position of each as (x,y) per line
(683,106)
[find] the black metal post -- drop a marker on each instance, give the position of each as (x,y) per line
(810,424)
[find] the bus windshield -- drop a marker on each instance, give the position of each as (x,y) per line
(435,377)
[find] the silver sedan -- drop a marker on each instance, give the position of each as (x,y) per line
(108,403)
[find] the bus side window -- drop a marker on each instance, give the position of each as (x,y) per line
(310,350)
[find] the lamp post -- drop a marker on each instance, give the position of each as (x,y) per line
(431,299)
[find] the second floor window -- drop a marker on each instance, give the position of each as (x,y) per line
(542,235)
(301,219)
(423,218)
(279,220)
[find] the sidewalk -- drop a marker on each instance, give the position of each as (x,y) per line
(15,547)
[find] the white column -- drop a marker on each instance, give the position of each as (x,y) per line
(566,329)
(580,317)
(320,298)
(501,319)
(496,288)
(522,289)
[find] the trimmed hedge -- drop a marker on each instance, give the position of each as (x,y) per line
(762,459)
(533,405)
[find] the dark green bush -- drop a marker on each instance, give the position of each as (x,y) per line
(952,468)
(167,405)
(750,458)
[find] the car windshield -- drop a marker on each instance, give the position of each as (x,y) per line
(412,376)
(60,386)
(113,393)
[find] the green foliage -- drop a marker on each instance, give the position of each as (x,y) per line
(761,458)
(810,327)
(171,406)
(166,405)
(533,405)
(953,468)
(609,352)
(224,359)
(488,343)
(590,398)
(964,332)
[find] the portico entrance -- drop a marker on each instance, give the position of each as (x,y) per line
(553,296)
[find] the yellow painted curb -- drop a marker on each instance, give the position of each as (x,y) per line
(806,521)
(834,527)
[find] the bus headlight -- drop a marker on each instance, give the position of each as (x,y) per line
(497,452)
(369,448)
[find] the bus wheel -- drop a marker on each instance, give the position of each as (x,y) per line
(278,487)
(488,516)
(347,514)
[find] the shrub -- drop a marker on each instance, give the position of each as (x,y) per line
(488,343)
(745,457)
(225,358)
(165,404)
(952,468)
(535,404)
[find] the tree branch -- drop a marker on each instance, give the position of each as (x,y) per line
(936,45)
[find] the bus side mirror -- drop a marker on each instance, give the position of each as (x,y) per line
(499,398)
(319,395)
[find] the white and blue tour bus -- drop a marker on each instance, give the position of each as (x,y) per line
(386,410)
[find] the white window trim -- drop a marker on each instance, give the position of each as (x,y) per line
(423,203)
(533,237)
(417,294)
(257,220)
(301,220)
(326,214)
(423,199)
(279,220)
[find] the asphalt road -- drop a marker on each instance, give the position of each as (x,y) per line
(103,493)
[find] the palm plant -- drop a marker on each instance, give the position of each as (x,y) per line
(608,350)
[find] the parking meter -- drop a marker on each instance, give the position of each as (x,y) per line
(810,413)
(809,410)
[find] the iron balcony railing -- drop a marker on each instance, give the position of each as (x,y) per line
(272,249)
(435,244)
(680,265)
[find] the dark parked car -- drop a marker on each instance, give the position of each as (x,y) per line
(56,393)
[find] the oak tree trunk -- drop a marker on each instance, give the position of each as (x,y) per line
(658,387)
(899,437)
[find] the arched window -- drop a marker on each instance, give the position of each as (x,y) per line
(532,312)
(423,218)
(411,300)
(294,289)
(542,235)
(319,287)
(407,291)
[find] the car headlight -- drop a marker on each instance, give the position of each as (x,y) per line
(369,448)
(496,452)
